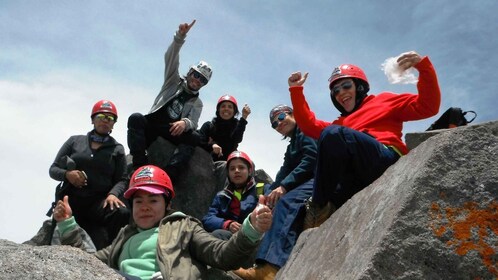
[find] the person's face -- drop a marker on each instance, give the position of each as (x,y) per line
(195,80)
(226,110)
(148,209)
(345,93)
(238,172)
(286,125)
(103,122)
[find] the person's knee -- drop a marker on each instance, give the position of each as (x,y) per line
(331,132)
(136,121)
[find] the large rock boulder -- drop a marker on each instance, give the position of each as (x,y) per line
(432,215)
(197,186)
(50,262)
(201,180)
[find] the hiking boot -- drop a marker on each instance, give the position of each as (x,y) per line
(262,272)
(316,214)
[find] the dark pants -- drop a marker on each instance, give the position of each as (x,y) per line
(102,224)
(277,243)
(142,132)
(347,162)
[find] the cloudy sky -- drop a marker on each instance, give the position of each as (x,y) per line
(57,58)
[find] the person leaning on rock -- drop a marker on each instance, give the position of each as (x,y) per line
(161,243)
(355,149)
(175,112)
(96,185)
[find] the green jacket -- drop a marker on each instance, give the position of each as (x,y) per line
(184,247)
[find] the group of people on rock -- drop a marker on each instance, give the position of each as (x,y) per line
(129,218)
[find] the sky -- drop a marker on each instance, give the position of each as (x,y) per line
(57,58)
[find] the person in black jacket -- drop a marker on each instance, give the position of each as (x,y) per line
(96,185)
(222,135)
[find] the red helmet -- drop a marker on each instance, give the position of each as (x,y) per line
(241,155)
(151,179)
(104,106)
(348,71)
(228,98)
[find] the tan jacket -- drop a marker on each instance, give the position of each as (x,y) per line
(184,248)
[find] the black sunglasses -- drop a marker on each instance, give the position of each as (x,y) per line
(280,118)
(337,88)
(199,76)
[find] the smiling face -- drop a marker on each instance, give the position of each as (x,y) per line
(195,80)
(345,93)
(103,125)
(285,126)
(226,110)
(148,209)
(238,172)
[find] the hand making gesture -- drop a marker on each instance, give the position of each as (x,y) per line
(185,27)
(297,79)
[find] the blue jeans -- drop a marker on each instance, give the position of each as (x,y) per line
(278,242)
(347,162)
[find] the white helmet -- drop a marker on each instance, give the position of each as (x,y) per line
(203,68)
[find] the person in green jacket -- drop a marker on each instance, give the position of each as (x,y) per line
(160,243)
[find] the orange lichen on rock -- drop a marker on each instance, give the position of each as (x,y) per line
(470,227)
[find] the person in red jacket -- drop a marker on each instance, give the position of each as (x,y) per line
(355,149)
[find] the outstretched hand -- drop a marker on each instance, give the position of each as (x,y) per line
(261,216)
(297,79)
(185,27)
(62,210)
(408,59)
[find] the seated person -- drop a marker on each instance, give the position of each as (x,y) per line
(232,205)
(174,113)
(356,149)
(222,135)
(161,243)
(292,187)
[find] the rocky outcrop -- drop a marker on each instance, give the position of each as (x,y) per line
(201,181)
(50,262)
(432,215)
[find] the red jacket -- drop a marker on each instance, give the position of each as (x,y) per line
(382,115)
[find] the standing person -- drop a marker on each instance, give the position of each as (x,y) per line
(175,112)
(355,149)
(161,243)
(222,135)
(232,205)
(292,187)
(96,186)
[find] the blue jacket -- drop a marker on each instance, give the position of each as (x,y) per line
(299,162)
(219,211)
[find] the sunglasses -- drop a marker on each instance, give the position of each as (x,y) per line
(102,117)
(279,119)
(199,77)
(337,88)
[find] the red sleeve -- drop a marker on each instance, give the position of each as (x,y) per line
(428,100)
(305,118)
(226,224)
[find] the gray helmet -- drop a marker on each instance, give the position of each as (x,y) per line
(279,109)
(203,68)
